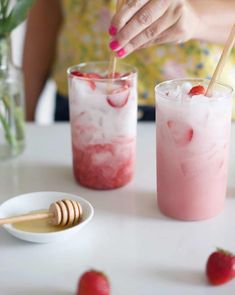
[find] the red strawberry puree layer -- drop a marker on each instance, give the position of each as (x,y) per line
(104,166)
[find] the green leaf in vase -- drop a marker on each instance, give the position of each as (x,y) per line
(16,16)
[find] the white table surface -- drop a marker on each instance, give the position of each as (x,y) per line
(142,251)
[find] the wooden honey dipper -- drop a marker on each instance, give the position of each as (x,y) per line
(61,213)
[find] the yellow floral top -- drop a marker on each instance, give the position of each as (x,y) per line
(84,38)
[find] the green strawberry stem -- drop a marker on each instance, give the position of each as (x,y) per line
(221,250)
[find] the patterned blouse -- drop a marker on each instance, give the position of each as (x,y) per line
(84,38)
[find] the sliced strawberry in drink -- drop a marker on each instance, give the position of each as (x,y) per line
(114,75)
(196,90)
(93,75)
(117,75)
(77,73)
(91,83)
(181,132)
(170,124)
(118,98)
(126,74)
(127,82)
(124,82)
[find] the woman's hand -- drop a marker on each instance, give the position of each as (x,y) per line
(142,23)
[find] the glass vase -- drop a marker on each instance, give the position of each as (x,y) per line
(12,122)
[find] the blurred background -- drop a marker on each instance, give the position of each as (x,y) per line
(44,113)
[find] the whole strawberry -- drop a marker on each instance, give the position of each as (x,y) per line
(220,267)
(93,282)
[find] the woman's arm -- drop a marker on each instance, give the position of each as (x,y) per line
(42,30)
(142,23)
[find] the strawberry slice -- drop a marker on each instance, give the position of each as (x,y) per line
(128,82)
(220,267)
(92,76)
(181,132)
(115,75)
(77,73)
(196,90)
(86,75)
(91,83)
(118,97)
(126,74)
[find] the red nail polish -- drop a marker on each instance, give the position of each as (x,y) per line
(121,52)
(112,30)
(114,44)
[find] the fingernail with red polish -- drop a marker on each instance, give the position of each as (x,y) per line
(114,44)
(112,30)
(121,52)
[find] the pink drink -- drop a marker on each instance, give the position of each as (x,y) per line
(193,134)
(103,116)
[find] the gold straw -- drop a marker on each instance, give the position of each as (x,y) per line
(220,66)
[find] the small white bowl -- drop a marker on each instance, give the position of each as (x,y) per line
(23,204)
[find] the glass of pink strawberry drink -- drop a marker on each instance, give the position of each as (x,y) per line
(193,134)
(103,116)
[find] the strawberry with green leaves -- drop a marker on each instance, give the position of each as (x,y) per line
(220,267)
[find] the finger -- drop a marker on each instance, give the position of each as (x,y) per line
(170,18)
(141,20)
(175,34)
(126,12)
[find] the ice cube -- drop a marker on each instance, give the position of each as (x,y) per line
(200,98)
(173,93)
(185,87)
(181,132)
(81,88)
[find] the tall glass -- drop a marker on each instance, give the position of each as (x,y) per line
(193,136)
(103,117)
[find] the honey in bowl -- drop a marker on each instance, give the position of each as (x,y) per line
(37,226)
(61,215)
